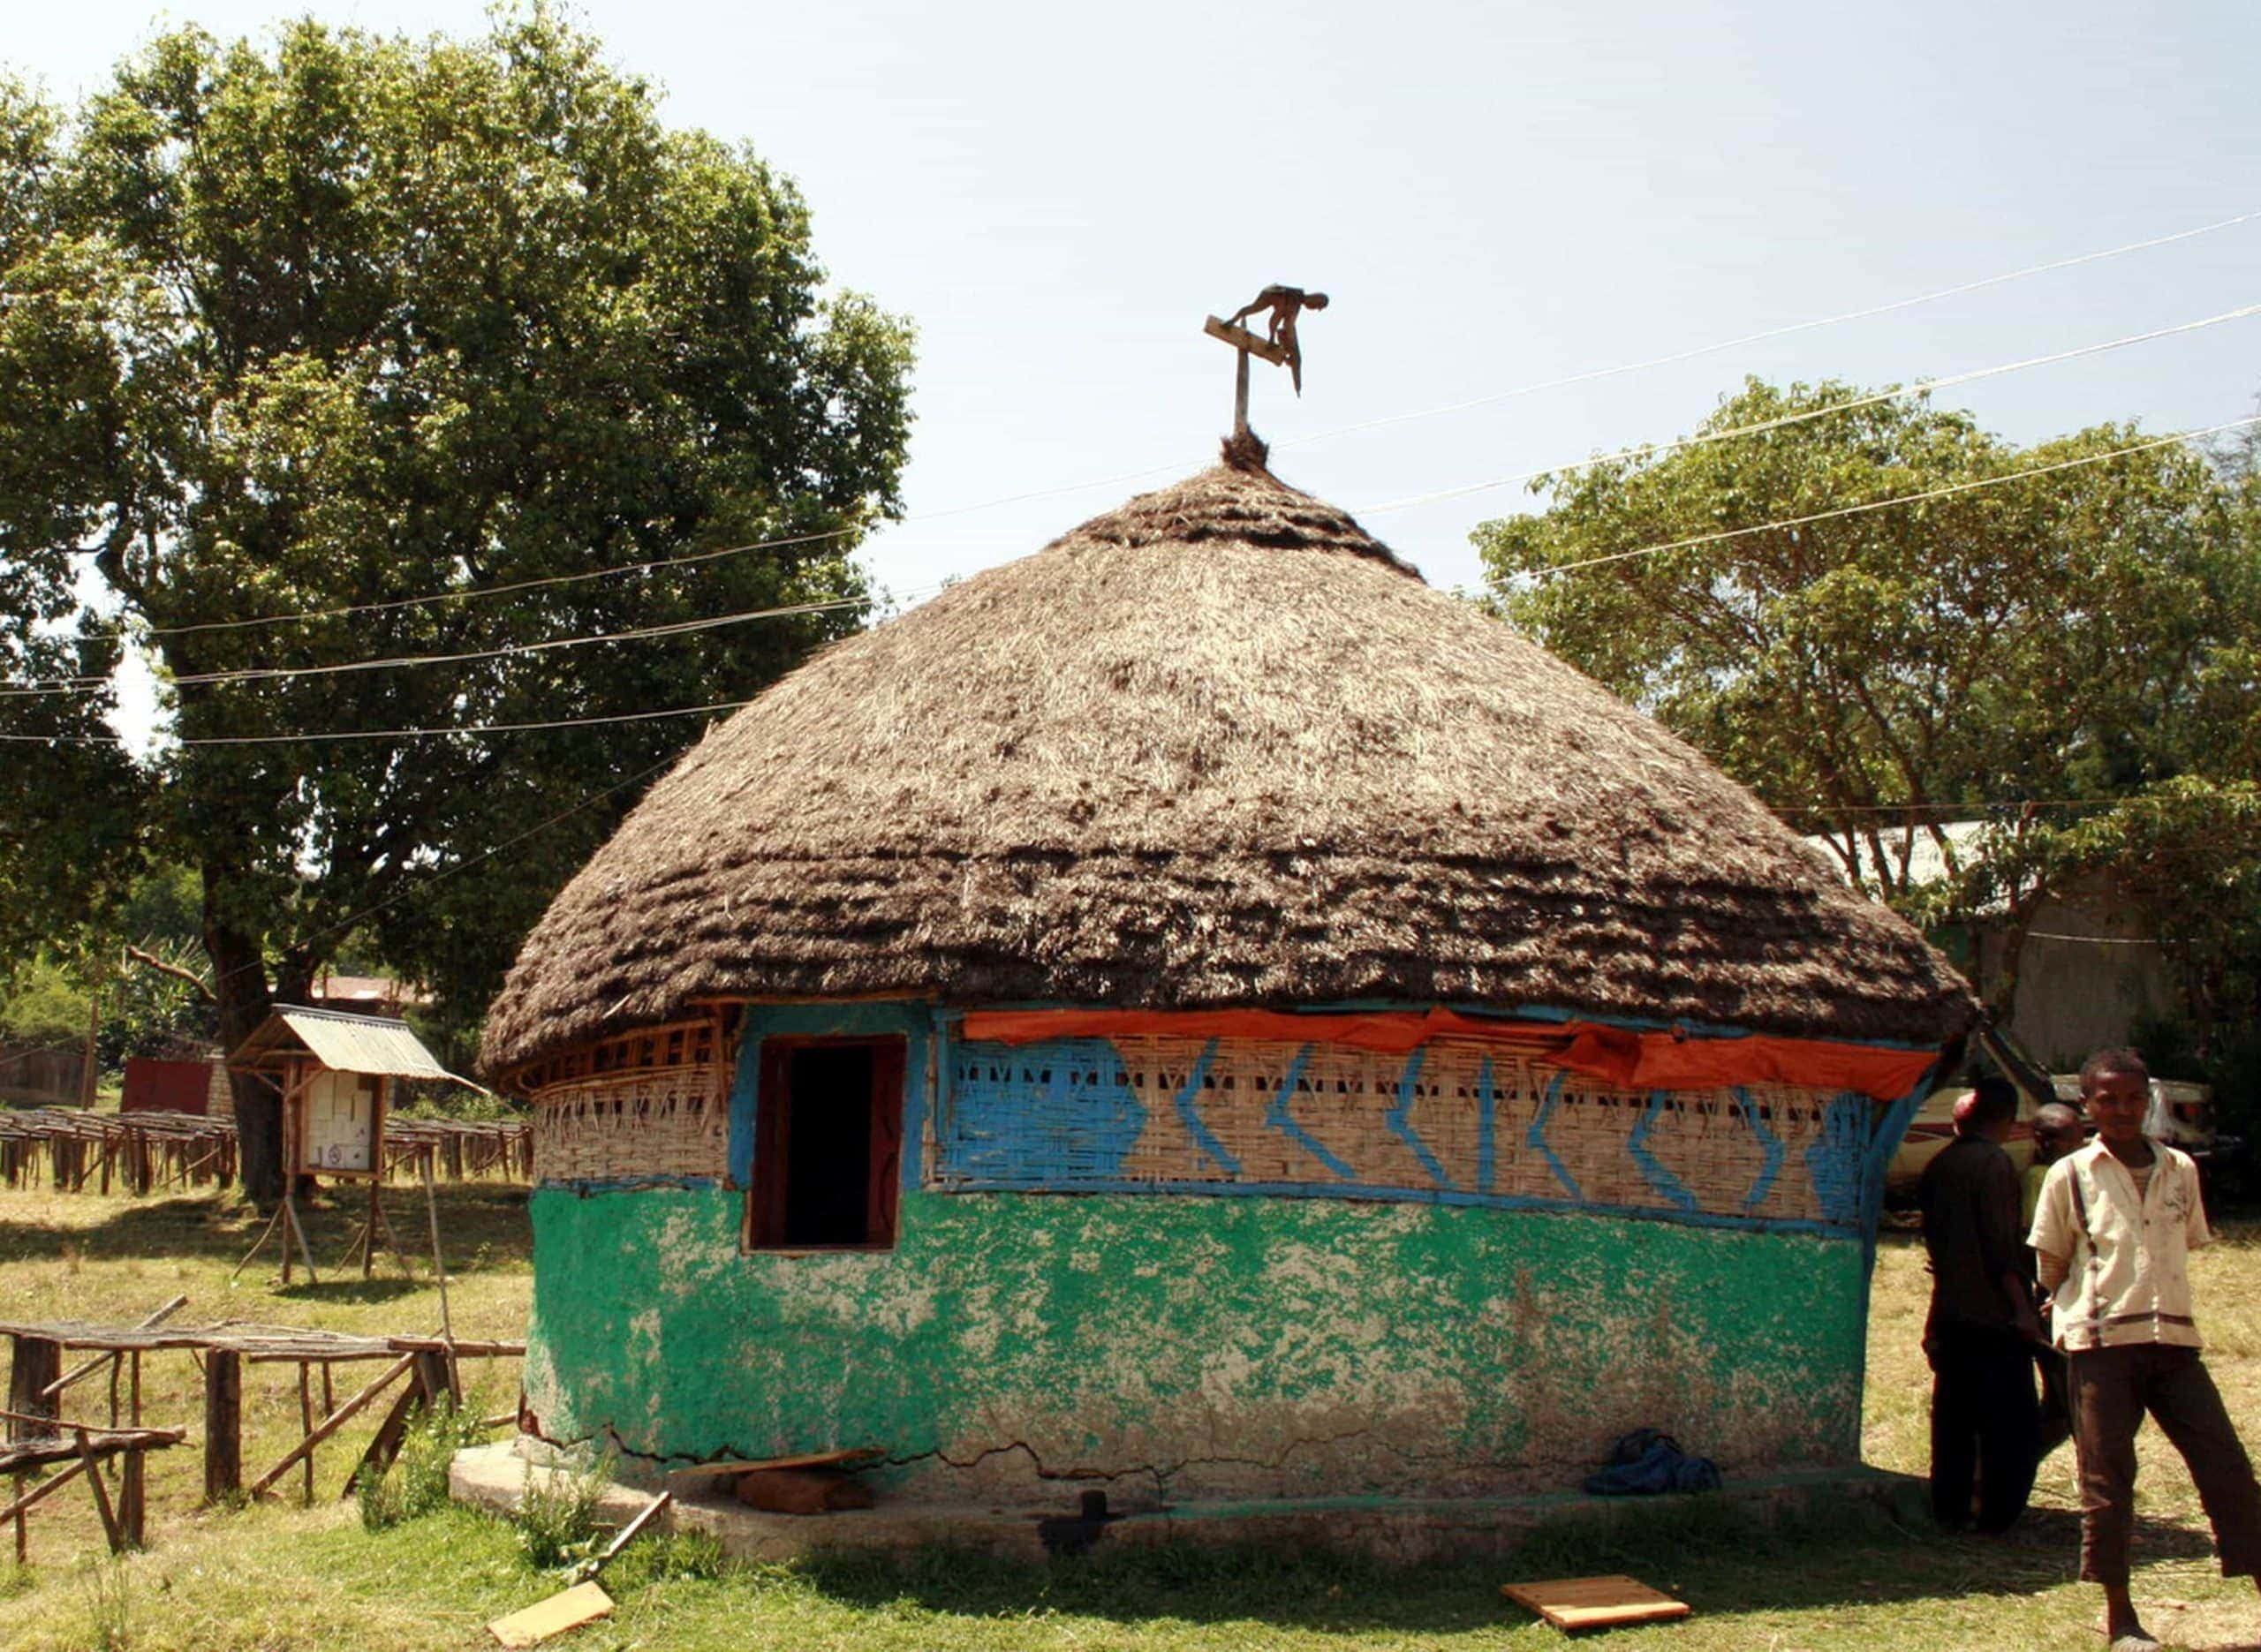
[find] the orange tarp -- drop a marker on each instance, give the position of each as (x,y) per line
(1629,1060)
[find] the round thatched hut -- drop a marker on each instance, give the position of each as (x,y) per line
(1197,1006)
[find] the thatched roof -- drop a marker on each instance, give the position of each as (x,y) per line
(1218,747)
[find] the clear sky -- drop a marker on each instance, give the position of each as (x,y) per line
(1494,195)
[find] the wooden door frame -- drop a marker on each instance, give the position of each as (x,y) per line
(764,1200)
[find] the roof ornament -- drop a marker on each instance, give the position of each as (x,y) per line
(1279,346)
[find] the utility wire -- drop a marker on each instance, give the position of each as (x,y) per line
(650,564)
(469,593)
(267,674)
(1614,556)
(1953,804)
(424,885)
(394,734)
(1772,332)
(1922,387)
(1885,504)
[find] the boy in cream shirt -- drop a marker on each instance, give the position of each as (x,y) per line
(2114,1224)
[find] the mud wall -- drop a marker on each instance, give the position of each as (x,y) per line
(1193,1348)
(1387,1310)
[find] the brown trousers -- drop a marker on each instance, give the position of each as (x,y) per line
(2111,1389)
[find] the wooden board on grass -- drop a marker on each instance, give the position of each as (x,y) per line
(1609,1602)
(814,1459)
(582,1603)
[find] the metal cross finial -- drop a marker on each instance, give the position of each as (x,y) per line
(1278,346)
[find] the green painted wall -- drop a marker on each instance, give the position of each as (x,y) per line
(1201,1348)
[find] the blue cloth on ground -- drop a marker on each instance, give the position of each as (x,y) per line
(1648,1462)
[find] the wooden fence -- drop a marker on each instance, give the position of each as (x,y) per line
(76,1151)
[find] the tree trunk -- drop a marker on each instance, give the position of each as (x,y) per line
(239,990)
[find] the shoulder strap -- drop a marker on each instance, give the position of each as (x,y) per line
(2095,1263)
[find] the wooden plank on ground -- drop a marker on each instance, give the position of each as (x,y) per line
(814,1459)
(1603,1602)
(582,1603)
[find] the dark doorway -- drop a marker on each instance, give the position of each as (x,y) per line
(827,1144)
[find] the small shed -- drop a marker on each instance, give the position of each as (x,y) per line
(155,1084)
(334,1072)
(1199,1011)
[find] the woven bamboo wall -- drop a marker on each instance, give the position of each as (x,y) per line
(653,1106)
(1465,1121)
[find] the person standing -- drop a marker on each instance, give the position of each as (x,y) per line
(1986,1423)
(2057,1130)
(2116,1221)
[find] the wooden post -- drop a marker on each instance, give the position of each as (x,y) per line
(260,1244)
(223,1424)
(35,1362)
(369,1232)
(423,1390)
(290,1217)
(447,1326)
(1244,344)
(133,1486)
(307,1422)
(102,1496)
(338,1418)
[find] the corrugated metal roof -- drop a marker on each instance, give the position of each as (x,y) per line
(1926,865)
(360,1044)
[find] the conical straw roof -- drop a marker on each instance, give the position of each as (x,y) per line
(1218,747)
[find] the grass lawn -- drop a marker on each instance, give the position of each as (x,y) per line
(283,1576)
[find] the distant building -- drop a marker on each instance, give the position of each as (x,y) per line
(2088,967)
(365,995)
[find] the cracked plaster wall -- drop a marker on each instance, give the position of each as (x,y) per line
(1192,1348)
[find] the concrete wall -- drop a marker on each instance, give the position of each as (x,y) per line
(1245,1341)
(2088,970)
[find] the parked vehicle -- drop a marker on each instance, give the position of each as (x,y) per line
(1933,1126)
(2180,1115)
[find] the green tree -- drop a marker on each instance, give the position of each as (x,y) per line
(68,813)
(2074,634)
(356,319)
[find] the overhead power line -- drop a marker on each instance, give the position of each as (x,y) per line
(647,565)
(91,684)
(1945,492)
(1922,387)
(470,593)
(426,884)
(1785,331)
(1643,550)
(395,734)
(1943,807)
(267,674)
